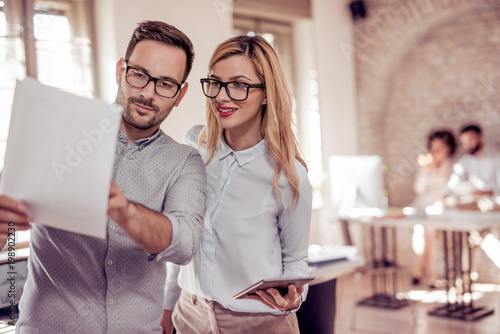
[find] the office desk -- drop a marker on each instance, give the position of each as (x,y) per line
(317,313)
(456,227)
(380,252)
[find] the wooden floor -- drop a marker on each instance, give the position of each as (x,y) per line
(412,319)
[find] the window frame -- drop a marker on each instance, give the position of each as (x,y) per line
(20,26)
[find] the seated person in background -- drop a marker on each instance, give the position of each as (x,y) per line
(435,168)
(430,184)
(477,172)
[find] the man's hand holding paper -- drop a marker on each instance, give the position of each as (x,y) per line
(59,159)
(13,217)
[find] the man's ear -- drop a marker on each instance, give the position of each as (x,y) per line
(119,69)
(182,92)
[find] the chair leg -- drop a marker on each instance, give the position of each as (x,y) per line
(498,310)
(406,287)
(357,278)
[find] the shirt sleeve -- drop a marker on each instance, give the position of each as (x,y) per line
(172,288)
(294,225)
(184,206)
(457,178)
(421,182)
(497,174)
(493,181)
(191,136)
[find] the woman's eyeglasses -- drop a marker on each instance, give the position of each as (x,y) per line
(237,91)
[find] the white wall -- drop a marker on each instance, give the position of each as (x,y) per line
(209,22)
(333,29)
(206,23)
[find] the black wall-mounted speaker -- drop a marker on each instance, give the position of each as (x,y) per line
(357,10)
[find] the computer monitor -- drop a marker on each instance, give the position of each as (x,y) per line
(357,185)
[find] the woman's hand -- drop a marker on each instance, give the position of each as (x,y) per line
(273,299)
(166,322)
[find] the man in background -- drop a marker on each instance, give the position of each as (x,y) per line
(477,172)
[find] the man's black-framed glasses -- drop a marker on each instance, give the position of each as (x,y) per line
(139,79)
(237,91)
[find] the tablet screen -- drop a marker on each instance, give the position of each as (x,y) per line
(281,284)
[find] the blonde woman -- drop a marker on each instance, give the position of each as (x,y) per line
(258,200)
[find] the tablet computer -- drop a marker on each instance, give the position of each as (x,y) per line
(281,284)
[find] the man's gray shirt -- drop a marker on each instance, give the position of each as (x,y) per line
(79,284)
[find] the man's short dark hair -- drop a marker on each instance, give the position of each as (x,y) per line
(165,33)
(446,136)
(471,127)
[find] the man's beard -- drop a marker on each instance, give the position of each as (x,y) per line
(128,116)
(474,150)
(131,120)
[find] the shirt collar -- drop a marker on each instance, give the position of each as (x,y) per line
(140,143)
(245,156)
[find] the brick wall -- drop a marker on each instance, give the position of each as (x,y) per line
(422,65)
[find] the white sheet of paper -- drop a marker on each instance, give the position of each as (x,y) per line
(59,157)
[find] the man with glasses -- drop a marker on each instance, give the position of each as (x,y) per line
(79,284)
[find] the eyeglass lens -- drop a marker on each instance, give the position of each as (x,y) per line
(236,90)
(139,79)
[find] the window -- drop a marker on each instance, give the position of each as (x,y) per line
(47,40)
(305,107)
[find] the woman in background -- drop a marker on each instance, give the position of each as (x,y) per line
(258,200)
(430,183)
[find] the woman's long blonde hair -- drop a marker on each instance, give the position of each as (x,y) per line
(276,115)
